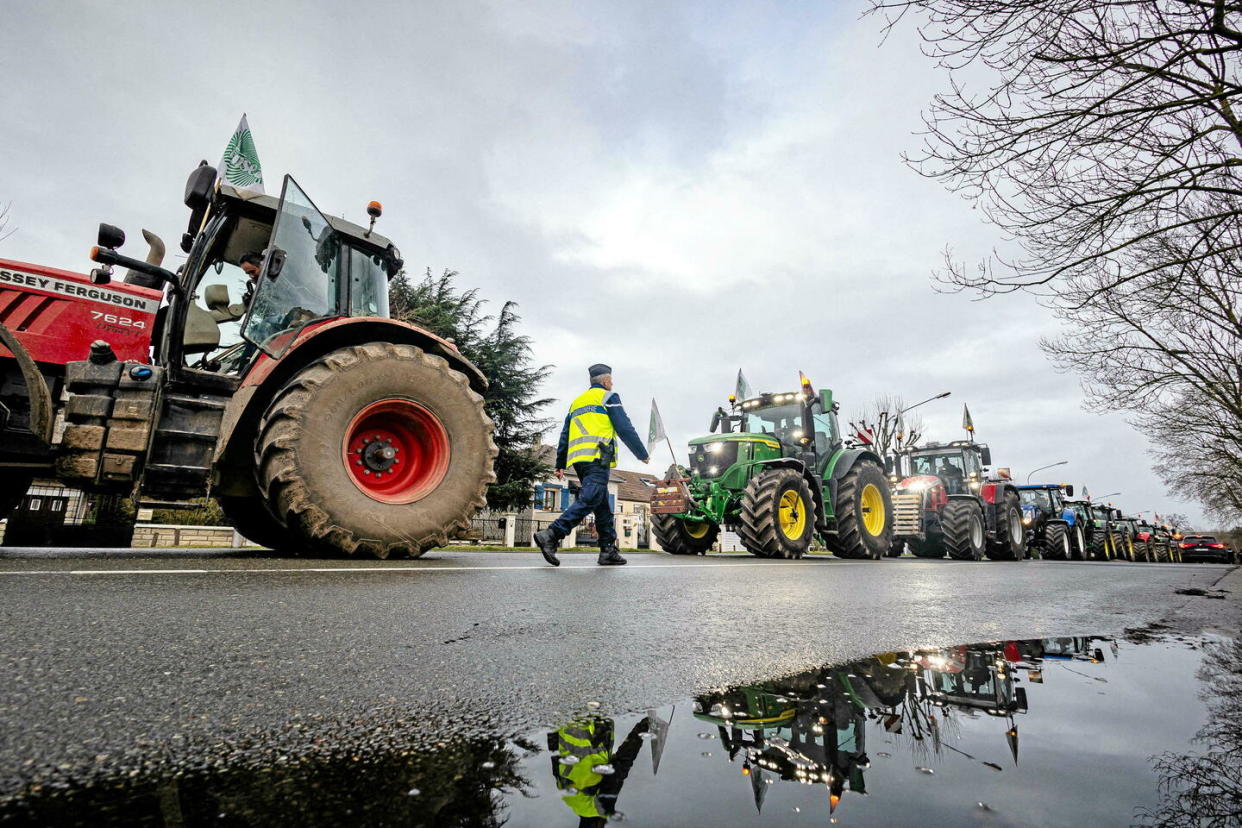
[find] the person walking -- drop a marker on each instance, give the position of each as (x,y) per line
(589,444)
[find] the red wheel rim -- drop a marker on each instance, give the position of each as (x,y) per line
(396,451)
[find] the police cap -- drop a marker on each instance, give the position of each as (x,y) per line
(598,370)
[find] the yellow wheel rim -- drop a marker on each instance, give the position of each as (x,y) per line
(695,530)
(873,516)
(791,514)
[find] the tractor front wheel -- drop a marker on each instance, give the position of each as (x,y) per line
(1056,542)
(683,537)
(375,450)
(1079,550)
(964,535)
(778,515)
(252,518)
(864,514)
(1097,547)
(1010,543)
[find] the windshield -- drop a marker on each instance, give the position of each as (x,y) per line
(1039,498)
(785,423)
(305,289)
(368,281)
(942,464)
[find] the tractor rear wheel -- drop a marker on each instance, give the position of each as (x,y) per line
(1123,550)
(964,535)
(1056,545)
(681,537)
(1010,543)
(864,512)
(376,449)
(254,520)
(931,546)
(13,488)
(778,515)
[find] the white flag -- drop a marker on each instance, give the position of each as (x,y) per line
(239,166)
(655,431)
(742,391)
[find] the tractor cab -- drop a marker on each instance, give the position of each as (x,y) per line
(1044,499)
(769,426)
(958,465)
(974,678)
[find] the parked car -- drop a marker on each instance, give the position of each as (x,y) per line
(1204,548)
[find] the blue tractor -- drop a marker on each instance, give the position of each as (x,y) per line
(1052,528)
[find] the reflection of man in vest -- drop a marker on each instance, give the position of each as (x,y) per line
(589,444)
(588,773)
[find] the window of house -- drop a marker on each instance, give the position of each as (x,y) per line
(550,496)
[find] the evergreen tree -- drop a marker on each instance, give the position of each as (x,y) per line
(494,345)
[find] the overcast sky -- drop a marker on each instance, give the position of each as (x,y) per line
(676,189)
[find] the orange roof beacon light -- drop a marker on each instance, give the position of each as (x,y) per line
(374,210)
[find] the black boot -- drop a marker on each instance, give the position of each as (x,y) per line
(609,556)
(547,543)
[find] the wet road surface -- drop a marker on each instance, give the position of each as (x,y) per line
(145,665)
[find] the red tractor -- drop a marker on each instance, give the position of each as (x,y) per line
(326,426)
(944,502)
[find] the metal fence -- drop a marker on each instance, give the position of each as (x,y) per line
(488,530)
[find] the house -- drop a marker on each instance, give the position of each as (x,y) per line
(633,508)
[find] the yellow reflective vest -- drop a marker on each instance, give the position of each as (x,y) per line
(591,434)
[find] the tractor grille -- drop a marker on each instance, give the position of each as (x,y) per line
(713,459)
(907,514)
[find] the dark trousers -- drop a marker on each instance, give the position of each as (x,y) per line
(592,497)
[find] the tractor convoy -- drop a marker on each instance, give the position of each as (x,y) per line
(327,426)
(320,424)
(781,477)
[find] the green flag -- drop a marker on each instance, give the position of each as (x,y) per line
(240,164)
(655,431)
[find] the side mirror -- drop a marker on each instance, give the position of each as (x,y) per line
(198,186)
(715,422)
(986,455)
(275,262)
(110,236)
(1069,490)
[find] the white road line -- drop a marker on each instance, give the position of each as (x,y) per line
(403,569)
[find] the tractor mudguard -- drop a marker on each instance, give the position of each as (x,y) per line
(817,485)
(844,461)
(41,411)
(267,376)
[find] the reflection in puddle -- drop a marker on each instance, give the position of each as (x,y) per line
(1046,731)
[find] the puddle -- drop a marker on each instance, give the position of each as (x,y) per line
(1060,731)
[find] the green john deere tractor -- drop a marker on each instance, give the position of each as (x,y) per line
(779,475)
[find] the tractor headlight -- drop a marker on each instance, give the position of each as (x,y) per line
(917,486)
(1027,521)
(715,448)
(713,470)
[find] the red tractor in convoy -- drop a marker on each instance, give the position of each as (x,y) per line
(317,422)
(944,502)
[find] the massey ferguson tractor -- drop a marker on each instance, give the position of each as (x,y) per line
(944,502)
(779,475)
(326,427)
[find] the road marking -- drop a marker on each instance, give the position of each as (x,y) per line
(401,569)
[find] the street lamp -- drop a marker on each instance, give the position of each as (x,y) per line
(1110,494)
(1041,468)
(929,399)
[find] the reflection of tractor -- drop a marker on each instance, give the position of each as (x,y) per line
(778,479)
(944,503)
(1048,520)
(329,426)
(976,677)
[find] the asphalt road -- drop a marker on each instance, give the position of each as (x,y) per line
(109,663)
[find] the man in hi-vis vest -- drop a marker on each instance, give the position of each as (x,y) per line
(589,444)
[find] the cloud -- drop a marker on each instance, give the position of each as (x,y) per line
(678,190)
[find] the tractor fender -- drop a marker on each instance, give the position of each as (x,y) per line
(839,465)
(817,486)
(41,412)
(267,376)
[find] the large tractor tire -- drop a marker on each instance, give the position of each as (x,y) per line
(375,450)
(1143,551)
(13,488)
(1097,547)
(1010,543)
(680,537)
(1122,551)
(864,511)
(254,520)
(965,537)
(931,546)
(1078,543)
(778,515)
(1056,545)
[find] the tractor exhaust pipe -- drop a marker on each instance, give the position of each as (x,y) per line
(155,256)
